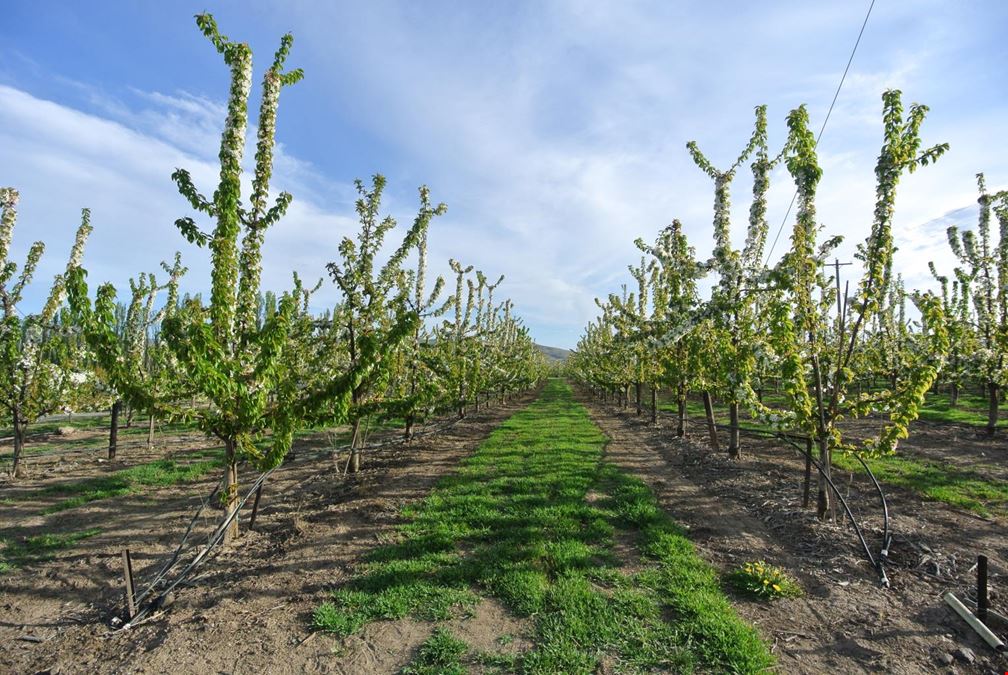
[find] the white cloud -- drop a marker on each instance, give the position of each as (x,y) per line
(554,131)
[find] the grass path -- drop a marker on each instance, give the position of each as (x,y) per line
(533,518)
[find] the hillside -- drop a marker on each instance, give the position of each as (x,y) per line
(554,353)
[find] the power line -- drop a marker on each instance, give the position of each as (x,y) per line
(823,128)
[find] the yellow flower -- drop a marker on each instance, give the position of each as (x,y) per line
(776,588)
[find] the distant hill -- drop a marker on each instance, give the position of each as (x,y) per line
(554,353)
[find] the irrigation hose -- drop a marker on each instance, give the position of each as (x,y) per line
(877,563)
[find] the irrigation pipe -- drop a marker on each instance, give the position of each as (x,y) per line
(214,539)
(878,563)
(976,624)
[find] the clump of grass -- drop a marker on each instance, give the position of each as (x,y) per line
(160,473)
(38,548)
(441,654)
(764,581)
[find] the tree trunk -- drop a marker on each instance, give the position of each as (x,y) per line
(825,462)
(230,491)
(759,394)
(654,404)
(992,408)
(113,436)
(709,409)
(355,447)
(19,440)
(681,427)
(150,432)
(637,392)
(954,395)
(408,433)
(734,447)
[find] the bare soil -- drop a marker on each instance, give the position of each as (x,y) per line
(249,608)
(750,509)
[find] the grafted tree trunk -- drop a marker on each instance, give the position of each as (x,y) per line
(150,432)
(637,392)
(230,490)
(954,394)
(20,428)
(709,409)
(681,424)
(654,404)
(355,447)
(734,446)
(113,438)
(992,407)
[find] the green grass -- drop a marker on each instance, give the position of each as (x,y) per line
(440,655)
(514,523)
(38,548)
(160,473)
(971,410)
(936,480)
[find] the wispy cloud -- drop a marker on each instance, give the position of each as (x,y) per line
(555,132)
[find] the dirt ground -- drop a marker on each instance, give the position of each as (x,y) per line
(249,609)
(739,511)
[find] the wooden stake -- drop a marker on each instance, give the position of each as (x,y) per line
(982,587)
(709,409)
(255,507)
(128,574)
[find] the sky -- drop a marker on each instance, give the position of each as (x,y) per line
(554,131)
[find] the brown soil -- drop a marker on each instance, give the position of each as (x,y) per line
(740,511)
(248,610)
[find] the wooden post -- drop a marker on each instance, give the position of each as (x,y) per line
(128,574)
(114,429)
(255,507)
(808,472)
(709,409)
(982,587)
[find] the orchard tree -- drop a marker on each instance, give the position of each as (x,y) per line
(732,307)
(986,265)
(818,331)
(957,308)
(38,364)
(257,396)
(422,386)
(374,308)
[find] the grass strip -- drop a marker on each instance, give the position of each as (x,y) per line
(936,480)
(932,479)
(531,519)
(159,473)
(38,548)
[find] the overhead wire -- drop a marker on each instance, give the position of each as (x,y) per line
(836,95)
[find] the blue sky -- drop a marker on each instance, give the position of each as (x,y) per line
(554,131)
